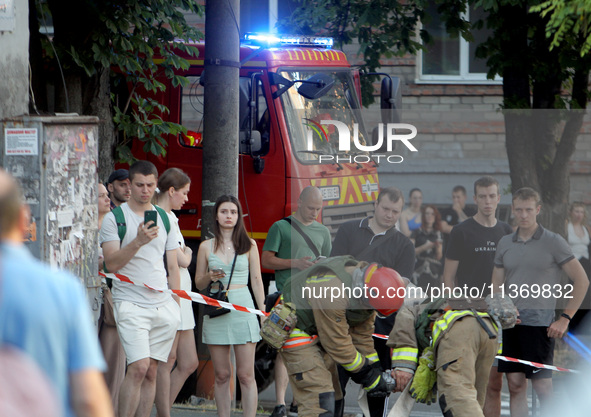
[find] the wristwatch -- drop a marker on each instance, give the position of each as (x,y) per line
(566,316)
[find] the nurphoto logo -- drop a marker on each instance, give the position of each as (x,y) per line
(389,134)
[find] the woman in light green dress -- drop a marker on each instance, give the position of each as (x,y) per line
(237,329)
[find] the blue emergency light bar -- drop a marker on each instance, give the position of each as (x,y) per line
(268,40)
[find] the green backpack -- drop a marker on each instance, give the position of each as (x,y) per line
(122,227)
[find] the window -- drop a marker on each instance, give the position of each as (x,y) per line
(309,138)
(192,112)
(453,60)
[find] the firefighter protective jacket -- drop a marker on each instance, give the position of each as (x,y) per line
(326,308)
(403,338)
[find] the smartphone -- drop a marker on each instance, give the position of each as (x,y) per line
(218,271)
(151,215)
(319,258)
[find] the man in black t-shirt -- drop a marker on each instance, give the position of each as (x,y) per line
(469,262)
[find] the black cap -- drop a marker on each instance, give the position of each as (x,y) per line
(119,175)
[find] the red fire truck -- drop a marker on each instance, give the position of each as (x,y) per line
(275,160)
(286,90)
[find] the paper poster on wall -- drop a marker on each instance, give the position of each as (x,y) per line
(21,141)
(7,16)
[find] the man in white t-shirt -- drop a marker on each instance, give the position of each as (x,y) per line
(147,320)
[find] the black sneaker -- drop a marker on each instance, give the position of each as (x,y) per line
(293,410)
(279,411)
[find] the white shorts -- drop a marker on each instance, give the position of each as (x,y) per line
(147,332)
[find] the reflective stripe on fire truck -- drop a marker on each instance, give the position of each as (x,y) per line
(314,55)
(355,189)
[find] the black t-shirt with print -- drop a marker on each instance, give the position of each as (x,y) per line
(474,246)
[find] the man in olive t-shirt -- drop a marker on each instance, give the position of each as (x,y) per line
(286,251)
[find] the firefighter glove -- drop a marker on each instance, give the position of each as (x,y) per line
(422,388)
(370,378)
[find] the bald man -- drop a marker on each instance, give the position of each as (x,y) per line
(287,251)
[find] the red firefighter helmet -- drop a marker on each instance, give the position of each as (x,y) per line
(385,289)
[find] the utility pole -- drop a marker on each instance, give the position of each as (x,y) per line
(220,119)
(221,99)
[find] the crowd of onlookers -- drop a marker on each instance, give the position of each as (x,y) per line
(151,331)
(147,337)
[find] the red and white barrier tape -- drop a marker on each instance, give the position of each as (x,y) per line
(536,364)
(188,295)
(202,299)
(508,359)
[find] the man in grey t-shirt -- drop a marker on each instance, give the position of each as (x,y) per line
(530,263)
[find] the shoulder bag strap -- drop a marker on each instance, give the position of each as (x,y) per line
(298,229)
(232,271)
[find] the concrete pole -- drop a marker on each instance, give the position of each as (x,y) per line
(220,121)
(220,125)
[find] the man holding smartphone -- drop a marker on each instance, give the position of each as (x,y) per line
(147,320)
(292,245)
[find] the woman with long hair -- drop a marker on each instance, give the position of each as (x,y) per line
(427,240)
(410,218)
(173,190)
(578,236)
(232,246)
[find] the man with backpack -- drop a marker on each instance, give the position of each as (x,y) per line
(147,320)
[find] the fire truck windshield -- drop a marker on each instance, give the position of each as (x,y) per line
(309,137)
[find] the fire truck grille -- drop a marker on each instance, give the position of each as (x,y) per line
(334,216)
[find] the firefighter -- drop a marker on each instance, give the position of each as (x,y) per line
(454,343)
(336,302)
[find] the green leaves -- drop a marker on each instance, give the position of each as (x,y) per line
(146,124)
(382,28)
(140,40)
(145,43)
(565,20)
